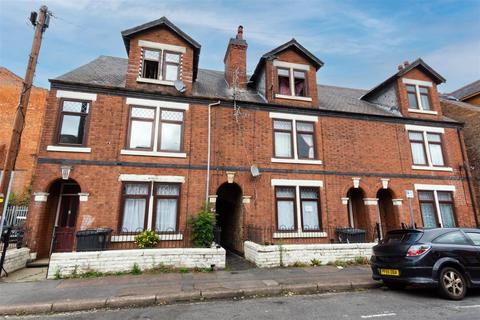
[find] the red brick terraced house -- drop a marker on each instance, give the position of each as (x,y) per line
(125,146)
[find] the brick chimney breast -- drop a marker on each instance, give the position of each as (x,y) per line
(236,61)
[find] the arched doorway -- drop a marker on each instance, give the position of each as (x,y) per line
(60,218)
(357,213)
(229,216)
(387,210)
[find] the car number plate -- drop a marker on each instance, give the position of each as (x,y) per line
(390,272)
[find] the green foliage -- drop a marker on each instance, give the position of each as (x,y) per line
(315,262)
(361,260)
(57,274)
(22,199)
(92,274)
(136,269)
(147,239)
(299,264)
(203,225)
(184,270)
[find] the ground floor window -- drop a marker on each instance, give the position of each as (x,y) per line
(290,200)
(437,208)
(150,205)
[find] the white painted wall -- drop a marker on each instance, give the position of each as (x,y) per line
(269,256)
(16,259)
(123,260)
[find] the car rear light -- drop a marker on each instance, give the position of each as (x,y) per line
(417,250)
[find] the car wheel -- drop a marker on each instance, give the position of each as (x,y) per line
(394,285)
(452,284)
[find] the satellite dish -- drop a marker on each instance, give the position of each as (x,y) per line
(180,86)
(254,171)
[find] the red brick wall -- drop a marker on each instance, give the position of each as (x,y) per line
(9,95)
(347,147)
(236,59)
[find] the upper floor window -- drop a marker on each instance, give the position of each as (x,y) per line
(418,97)
(292,82)
(155,129)
(73,120)
(426,148)
(158,64)
(285,131)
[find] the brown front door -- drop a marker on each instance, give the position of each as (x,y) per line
(64,236)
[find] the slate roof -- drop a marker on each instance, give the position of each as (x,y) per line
(111,72)
(467,91)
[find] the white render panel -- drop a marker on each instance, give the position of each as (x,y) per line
(67,263)
(149,177)
(269,256)
(411,127)
(69,149)
(15,259)
(153,153)
(76,95)
(432,187)
(290,65)
(417,82)
(158,103)
(300,183)
(161,46)
(289,116)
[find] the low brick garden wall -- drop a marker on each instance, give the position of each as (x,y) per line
(269,256)
(16,259)
(65,264)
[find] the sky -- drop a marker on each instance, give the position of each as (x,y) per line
(360,42)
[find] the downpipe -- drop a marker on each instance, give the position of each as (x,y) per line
(209,143)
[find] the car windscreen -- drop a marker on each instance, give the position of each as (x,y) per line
(402,237)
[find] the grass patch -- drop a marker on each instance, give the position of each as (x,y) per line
(315,262)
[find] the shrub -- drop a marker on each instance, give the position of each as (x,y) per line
(361,260)
(136,269)
(316,262)
(147,239)
(203,225)
(299,264)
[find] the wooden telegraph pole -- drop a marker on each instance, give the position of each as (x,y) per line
(40,26)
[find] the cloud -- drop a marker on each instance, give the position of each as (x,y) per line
(459,63)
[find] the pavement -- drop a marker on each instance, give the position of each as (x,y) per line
(53,296)
(417,304)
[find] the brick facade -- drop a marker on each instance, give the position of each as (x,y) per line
(348,146)
(10,87)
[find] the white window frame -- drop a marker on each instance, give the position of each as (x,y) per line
(158,104)
(435,189)
(294,118)
(152,179)
(297,184)
(291,67)
(161,47)
(425,130)
(418,84)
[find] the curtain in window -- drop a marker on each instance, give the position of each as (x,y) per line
(305,146)
(446,211)
(309,198)
(300,83)
(141,134)
(134,215)
(284,81)
(166,218)
(171,137)
(418,153)
(286,220)
(436,154)
(283,144)
(428,215)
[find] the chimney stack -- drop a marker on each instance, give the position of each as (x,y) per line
(236,61)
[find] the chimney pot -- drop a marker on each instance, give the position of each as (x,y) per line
(400,67)
(405,63)
(240,32)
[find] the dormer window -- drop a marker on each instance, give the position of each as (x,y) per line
(292,81)
(418,94)
(160,63)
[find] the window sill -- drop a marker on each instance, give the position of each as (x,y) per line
(156,81)
(282,96)
(69,149)
(432,168)
(298,161)
(163,237)
(153,153)
(299,234)
(423,111)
